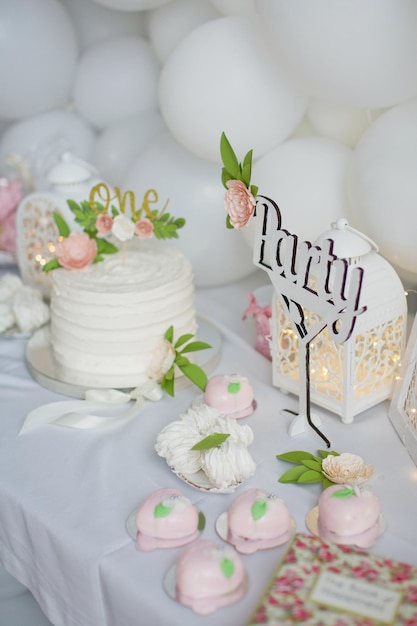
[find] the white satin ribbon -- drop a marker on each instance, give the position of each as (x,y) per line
(76,413)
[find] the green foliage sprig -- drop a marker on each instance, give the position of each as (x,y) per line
(234,170)
(307,467)
(193,372)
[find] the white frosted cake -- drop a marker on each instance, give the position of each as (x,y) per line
(107,318)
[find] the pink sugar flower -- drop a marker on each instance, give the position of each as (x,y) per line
(239,203)
(104,223)
(144,228)
(76,251)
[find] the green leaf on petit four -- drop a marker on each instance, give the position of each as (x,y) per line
(195,374)
(292,475)
(63,228)
(228,567)
(258,509)
(211,441)
(53,264)
(347,492)
(193,346)
(234,387)
(169,334)
(296,456)
(310,476)
(312,464)
(161,510)
(201,521)
(229,157)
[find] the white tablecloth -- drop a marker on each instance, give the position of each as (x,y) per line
(66,494)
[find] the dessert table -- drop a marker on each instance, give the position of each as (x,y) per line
(66,493)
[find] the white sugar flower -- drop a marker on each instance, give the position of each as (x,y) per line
(123,228)
(346,469)
(161,361)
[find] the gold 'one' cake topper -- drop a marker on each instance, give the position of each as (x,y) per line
(115,216)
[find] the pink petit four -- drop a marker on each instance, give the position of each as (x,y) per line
(258,520)
(166,519)
(349,515)
(209,576)
(231,395)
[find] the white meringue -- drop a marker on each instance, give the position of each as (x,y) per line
(29,310)
(9,283)
(6,317)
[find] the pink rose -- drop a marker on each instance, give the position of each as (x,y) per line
(239,203)
(76,251)
(8,234)
(104,223)
(144,228)
(10,195)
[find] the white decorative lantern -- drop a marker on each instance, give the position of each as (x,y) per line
(347,378)
(36,231)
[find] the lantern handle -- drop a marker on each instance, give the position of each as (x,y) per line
(343,224)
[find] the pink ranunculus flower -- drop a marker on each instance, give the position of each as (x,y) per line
(104,223)
(144,228)
(239,203)
(76,251)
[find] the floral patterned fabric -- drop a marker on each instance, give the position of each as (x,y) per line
(288,598)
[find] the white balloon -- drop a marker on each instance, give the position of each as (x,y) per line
(95,24)
(382,185)
(169,24)
(194,188)
(38,49)
(208,86)
(357,53)
(116,79)
(37,142)
(235,7)
(307,178)
(338,122)
(119,144)
(131,5)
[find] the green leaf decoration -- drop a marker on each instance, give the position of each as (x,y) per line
(310,476)
(167,385)
(181,361)
(212,441)
(183,339)
(325,453)
(296,456)
(254,190)
(312,464)
(201,521)
(343,493)
(166,226)
(194,373)
(258,509)
(229,158)
(53,264)
(292,475)
(114,211)
(161,510)
(63,228)
(326,482)
(225,177)
(169,334)
(228,222)
(105,247)
(227,566)
(170,373)
(193,346)
(98,258)
(234,387)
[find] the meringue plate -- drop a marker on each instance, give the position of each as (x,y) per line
(222,529)
(131,523)
(312,523)
(44,369)
(201,481)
